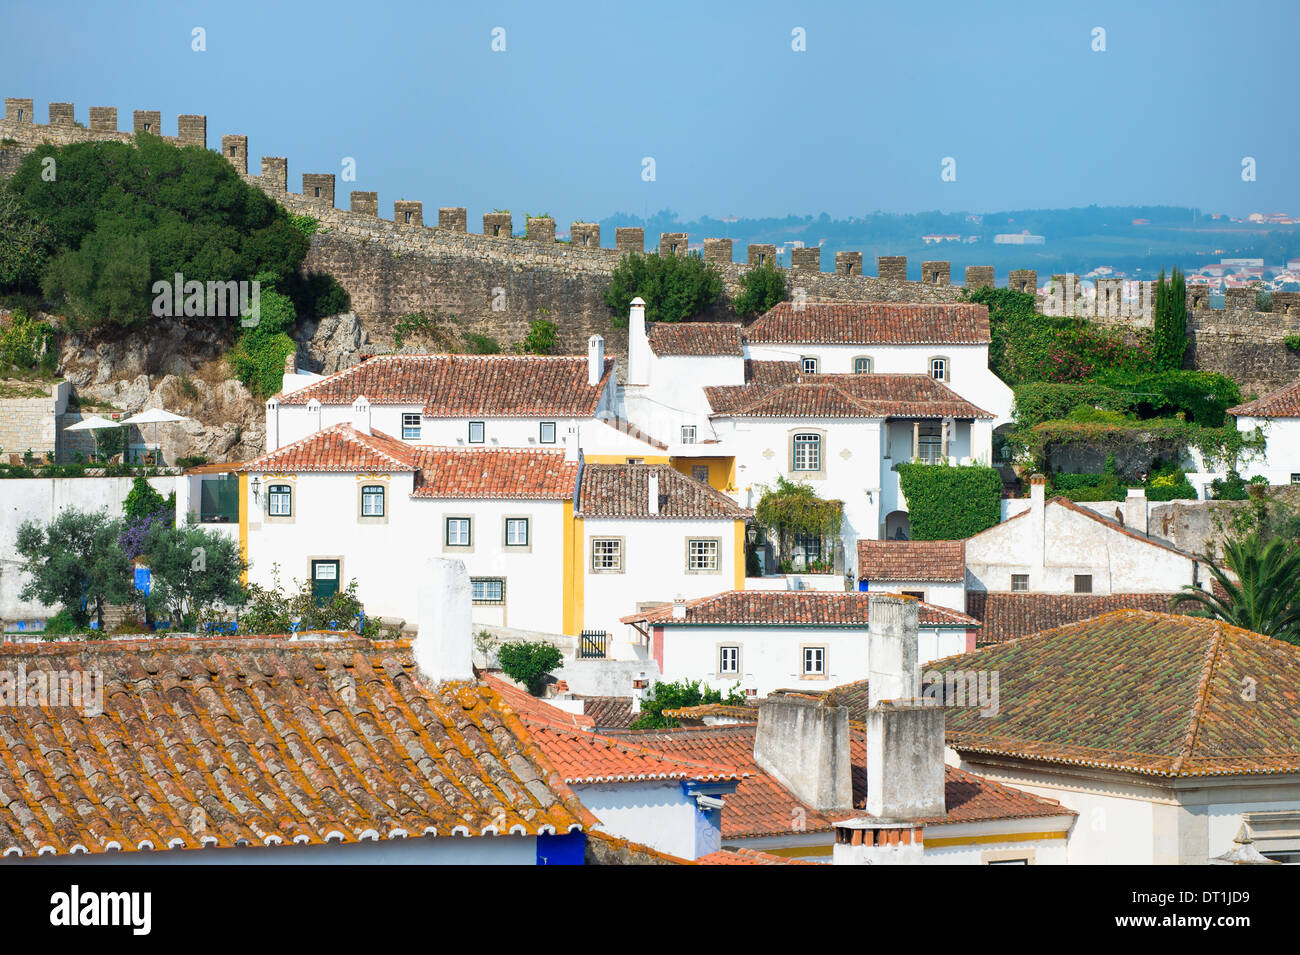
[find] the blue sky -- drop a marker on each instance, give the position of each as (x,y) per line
(737,122)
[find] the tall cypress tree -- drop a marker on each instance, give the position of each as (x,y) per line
(1169,336)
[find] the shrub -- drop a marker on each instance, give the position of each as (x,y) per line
(258,357)
(1292,342)
(676,696)
(529,663)
(62,624)
(945,502)
(476,344)
(760,289)
(675,288)
(542,338)
(26,343)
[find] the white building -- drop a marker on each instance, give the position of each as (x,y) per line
(932,571)
(1153,728)
(1278,415)
(768,640)
(1060,547)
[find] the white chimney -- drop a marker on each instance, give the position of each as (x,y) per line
(1038,517)
(595,360)
(272,424)
(573,444)
(653,492)
(679,607)
(1135,510)
(443,646)
(638,346)
(905,734)
(361,414)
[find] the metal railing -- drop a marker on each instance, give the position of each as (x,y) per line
(592,644)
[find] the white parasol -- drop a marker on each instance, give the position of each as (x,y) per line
(155,417)
(92,424)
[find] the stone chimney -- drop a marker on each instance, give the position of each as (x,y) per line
(361,414)
(805,747)
(638,345)
(595,360)
(443,646)
(679,607)
(652,495)
(905,734)
(1135,510)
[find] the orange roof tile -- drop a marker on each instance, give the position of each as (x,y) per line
(1282,403)
(842,396)
(695,339)
(263,741)
(741,856)
(463,386)
(495,473)
(623,490)
(338,448)
(871,323)
(533,709)
(941,561)
(1008,616)
(787,608)
(583,757)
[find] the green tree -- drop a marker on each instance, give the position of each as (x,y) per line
(142,500)
(793,507)
(1169,337)
(542,338)
(258,357)
(25,244)
(1265,594)
(529,663)
(193,570)
(761,288)
(675,288)
(679,695)
(75,561)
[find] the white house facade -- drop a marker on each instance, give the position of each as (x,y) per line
(1277,415)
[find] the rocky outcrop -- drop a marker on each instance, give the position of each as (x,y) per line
(330,344)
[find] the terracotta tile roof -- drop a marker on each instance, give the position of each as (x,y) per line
(533,709)
(609,712)
(495,473)
(464,386)
(1007,616)
(741,856)
(787,608)
(263,741)
(1150,693)
(583,757)
(843,396)
(771,372)
(604,849)
(1282,403)
(852,696)
(339,447)
(695,338)
(623,490)
(939,561)
(697,714)
(761,806)
(872,323)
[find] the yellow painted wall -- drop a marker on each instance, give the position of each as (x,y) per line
(722,471)
(740,554)
(574,577)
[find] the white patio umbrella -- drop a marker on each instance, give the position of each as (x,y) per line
(92,424)
(155,417)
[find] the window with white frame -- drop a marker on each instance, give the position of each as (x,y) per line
(814,661)
(279,500)
(939,369)
(546,432)
(688,434)
(808,365)
(487,590)
(1019,583)
(861,366)
(606,555)
(458,532)
(702,556)
(477,432)
(807,452)
(516,532)
(729,660)
(372,500)
(411,426)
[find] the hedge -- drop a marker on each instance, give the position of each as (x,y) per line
(1201,396)
(947,502)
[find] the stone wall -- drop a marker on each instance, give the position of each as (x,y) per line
(30,424)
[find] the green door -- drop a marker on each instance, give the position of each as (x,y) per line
(324,579)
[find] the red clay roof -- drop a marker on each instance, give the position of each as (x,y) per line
(1149,693)
(465,386)
(609,712)
(939,561)
(263,741)
(338,448)
(843,396)
(695,338)
(1008,616)
(872,323)
(761,806)
(495,473)
(1282,403)
(586,758)
(787,608)
(741,856)
(623,490)
(533,709)
(771,372)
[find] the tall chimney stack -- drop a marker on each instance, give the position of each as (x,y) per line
(443,646)
(361,414)
(1135,510)
(595,360)
(638,345)
(652,495)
